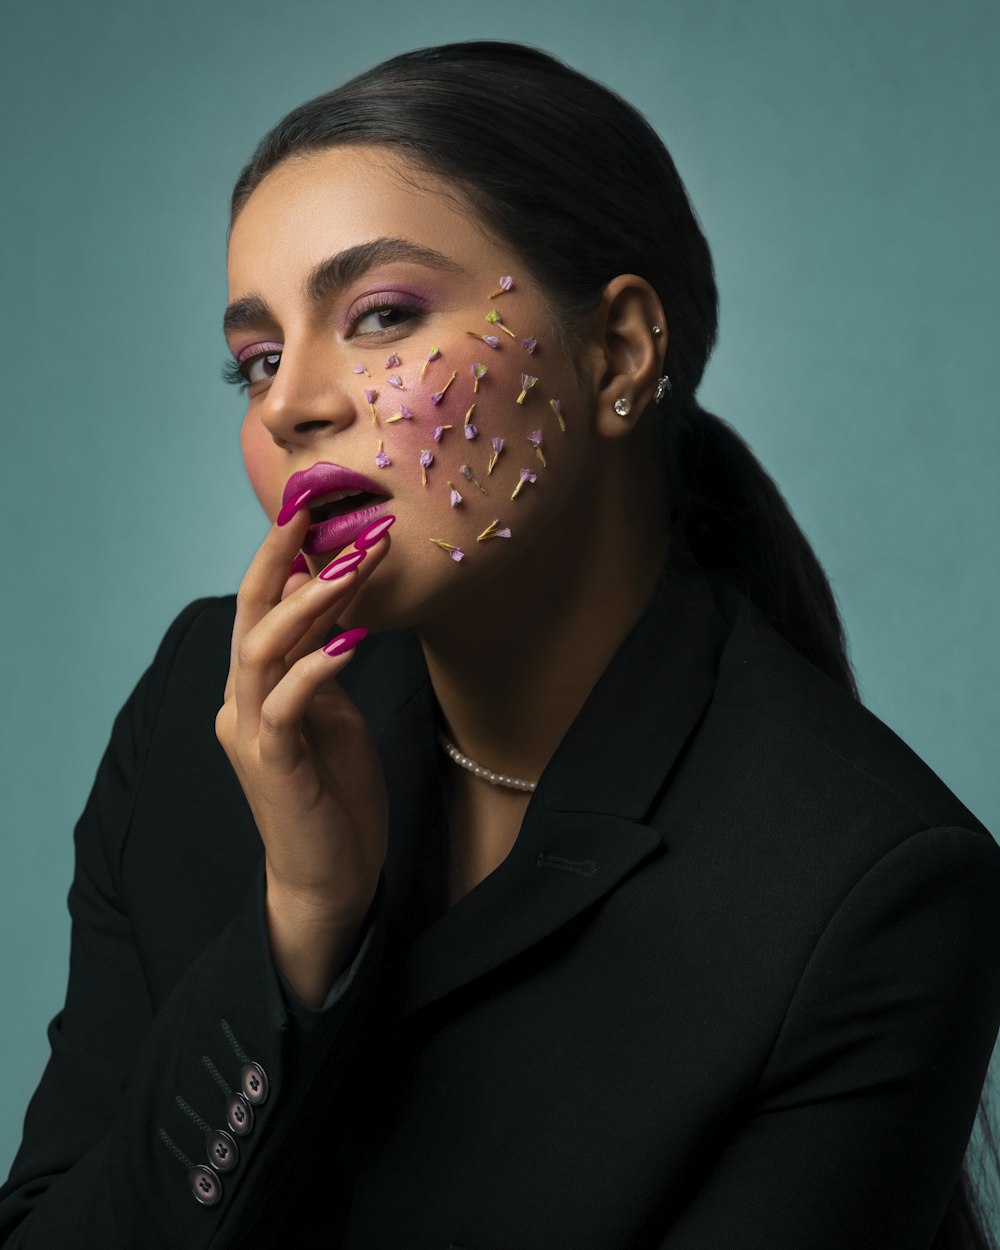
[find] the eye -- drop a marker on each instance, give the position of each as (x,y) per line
(256,364)
(378,318)
(259,368)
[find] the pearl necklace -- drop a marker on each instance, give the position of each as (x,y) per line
(495,779)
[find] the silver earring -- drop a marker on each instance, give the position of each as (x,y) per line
(656,331)
(662,386)
(623,406)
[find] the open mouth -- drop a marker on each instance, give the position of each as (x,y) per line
(340,503)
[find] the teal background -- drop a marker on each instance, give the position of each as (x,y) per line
(843,160)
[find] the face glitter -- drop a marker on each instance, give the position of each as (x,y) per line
(438,432)
(456,553)
(494,318)
(497,445)
(426,460)
(456,498)
(395,380)
(436,398)
(526,476)
(506,284)
(556,407)
(404,414)
(433,354)
(491,531)
(535,439)
(381,459)
(466,472)
(371,395)
(530,346)
(393,361)
(478,373)
(527,382)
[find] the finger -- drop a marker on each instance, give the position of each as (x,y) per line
(279,742)
(294,626)
(327,621)
(264,581)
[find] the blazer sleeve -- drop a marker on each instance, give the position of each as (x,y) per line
(859,1122)
(122,1143)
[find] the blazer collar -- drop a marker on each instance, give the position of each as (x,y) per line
(583,829)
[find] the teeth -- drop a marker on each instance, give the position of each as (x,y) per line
(334,496)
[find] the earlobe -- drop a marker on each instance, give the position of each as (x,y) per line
(634,342)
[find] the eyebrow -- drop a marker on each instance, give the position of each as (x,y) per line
(333,274)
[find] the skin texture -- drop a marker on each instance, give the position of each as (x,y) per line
(517,633)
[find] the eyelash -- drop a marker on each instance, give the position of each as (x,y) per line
(232,371)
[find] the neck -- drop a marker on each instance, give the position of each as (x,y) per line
(512,674)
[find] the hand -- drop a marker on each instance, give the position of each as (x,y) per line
(305,759)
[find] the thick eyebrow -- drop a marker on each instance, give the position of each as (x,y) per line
(331,275)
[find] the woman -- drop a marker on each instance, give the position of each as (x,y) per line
(579,904)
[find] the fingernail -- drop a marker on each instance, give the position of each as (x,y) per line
(344,642)
(342,564)
(290,508)
(370,535)
(299,565)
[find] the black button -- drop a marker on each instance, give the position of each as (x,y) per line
(239,1115)
(223,1152)
(253,1082)
(205,1185)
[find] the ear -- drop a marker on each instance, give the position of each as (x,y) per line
(630,356)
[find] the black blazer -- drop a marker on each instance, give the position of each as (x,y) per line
(736,986)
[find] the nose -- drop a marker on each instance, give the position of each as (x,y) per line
(309,397)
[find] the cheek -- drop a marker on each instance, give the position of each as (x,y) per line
(473,426)
(258,452)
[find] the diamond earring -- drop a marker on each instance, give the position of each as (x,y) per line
(623,406)
(662,386)
(656,331)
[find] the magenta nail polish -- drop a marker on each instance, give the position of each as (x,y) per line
(290,508)
(370,535)
(344,642)
(299,565)
(343,564)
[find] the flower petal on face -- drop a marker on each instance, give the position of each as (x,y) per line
(395,380)
(529,345)
(370,394)
(470,430)
(393,361)
(426,458)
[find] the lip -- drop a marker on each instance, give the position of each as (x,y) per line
(325,477)
(338,531)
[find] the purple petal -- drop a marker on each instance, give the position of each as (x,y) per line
(491,340)
(506,283)
(359,369)
(528,476)
(426,458)
(456,498)
(529,345)
(395,380)
(457,554)
(470,430)
(406,412)
(437,397)
(504,533)
(437,433)
(527,381)
(382,460)
(535,438)
(393,361)
(371,395)
(497,444)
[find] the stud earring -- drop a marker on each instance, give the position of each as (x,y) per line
(623,406)
(662,386)
(656,331)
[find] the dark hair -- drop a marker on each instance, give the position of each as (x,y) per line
(581,186)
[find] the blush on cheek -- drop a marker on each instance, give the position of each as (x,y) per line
(258,451)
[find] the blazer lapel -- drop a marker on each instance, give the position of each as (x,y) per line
(584,829)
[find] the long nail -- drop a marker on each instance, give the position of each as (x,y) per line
(343,564)
(370,535)
(290,508)
(299,565)
(344,642)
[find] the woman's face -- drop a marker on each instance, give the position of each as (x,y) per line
(363,320)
